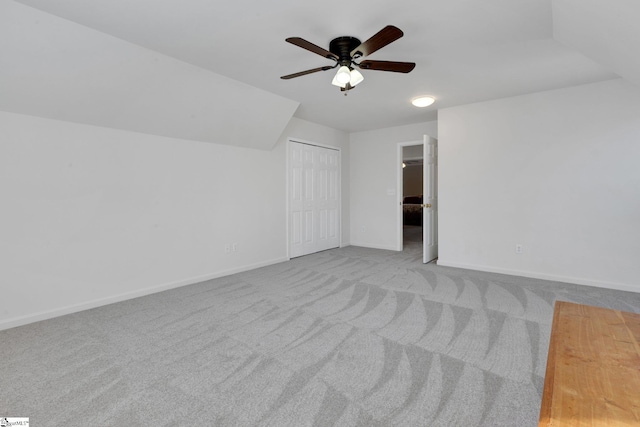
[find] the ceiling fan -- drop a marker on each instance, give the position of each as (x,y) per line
(345,50)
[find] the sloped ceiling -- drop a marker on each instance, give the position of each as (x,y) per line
(211,71)
(605,31)
(57,69)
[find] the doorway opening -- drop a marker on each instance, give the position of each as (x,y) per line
(412,184)
(418,198)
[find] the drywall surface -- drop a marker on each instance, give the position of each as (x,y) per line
(556,172)
(54,68)
(95,215)
(374,175)
(606,32)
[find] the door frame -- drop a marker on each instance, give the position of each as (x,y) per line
(288,189)
(400,188)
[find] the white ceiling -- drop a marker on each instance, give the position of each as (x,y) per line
(606,31)
(465,50)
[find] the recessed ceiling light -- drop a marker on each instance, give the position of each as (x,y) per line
(423,101)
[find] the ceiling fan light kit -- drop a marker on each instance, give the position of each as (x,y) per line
(343,76)
(345,50)
(356,77)
(346,76)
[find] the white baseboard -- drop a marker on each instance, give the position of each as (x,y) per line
(543,276)
(61,311)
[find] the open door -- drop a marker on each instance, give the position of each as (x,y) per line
(430,200)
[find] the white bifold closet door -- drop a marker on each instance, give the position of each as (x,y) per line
(314,199)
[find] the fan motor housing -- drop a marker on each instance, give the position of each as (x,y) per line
(342,46)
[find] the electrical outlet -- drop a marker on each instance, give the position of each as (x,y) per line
(519,248)
(227,248)
(235,247)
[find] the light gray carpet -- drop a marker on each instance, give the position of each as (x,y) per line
(346,337)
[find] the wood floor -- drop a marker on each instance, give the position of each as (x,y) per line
(593,368)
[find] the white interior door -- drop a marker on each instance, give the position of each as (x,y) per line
(430,200)
(327,170)
(314,199)
(300,198)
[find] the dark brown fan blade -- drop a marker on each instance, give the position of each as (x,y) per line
(302,73)
(397,67)
(379,40)
(311,47)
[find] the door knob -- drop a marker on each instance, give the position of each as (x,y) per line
(428,205)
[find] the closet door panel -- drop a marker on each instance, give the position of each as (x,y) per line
(314,199)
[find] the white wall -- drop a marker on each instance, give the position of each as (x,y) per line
(94,215)
(554,171)
(374,175)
